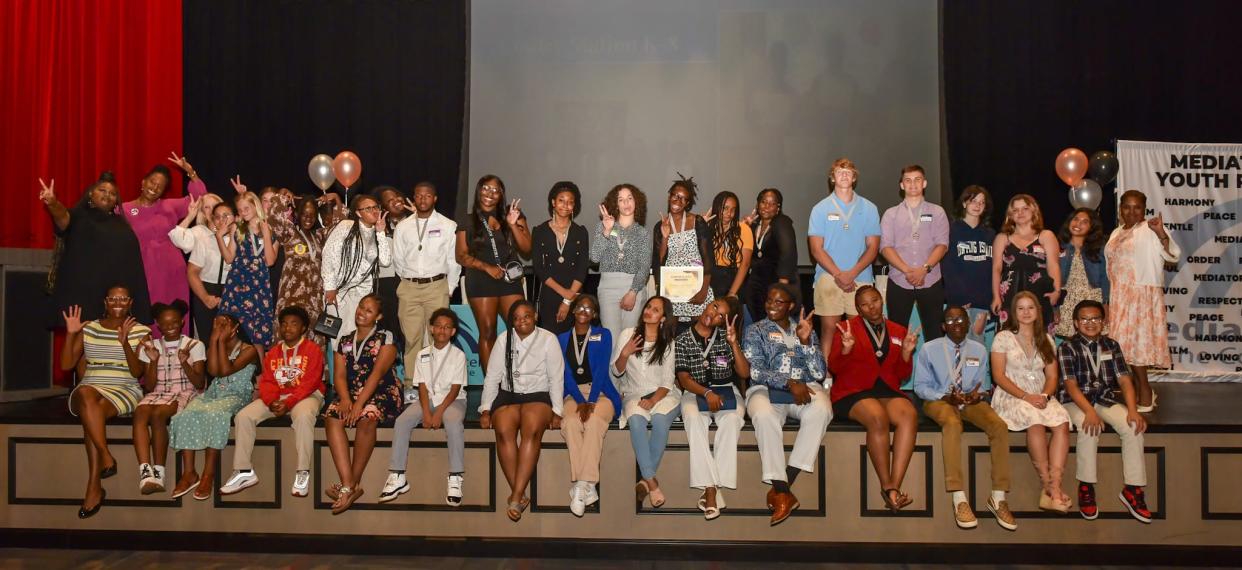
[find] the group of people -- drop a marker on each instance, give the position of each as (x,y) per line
(321,328)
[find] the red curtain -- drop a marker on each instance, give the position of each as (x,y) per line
(88,85)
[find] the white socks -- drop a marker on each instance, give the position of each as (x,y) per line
(997,496)
(958,497)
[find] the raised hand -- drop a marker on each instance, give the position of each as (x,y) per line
(981,322)
(73,319)
(237,184)
(122,332)
(381,225)
(709,216)
(805,327)
(606,219)
(152,352)
(731,330)
(182,163)
(907,344)
(514,212)
(226,229)
(409,206)
(47,194)
(847,337)
(195,204)
(666,225)
(184,354)
(635,344)
(1156,223)
(751,217)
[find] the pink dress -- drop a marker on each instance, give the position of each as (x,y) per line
(163,262)
(1136,319)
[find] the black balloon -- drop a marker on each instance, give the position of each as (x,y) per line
(1102,167)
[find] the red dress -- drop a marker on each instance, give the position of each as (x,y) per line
(860,371)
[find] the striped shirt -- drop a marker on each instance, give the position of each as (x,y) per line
(105,359)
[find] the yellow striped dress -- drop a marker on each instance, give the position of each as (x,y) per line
(106,368)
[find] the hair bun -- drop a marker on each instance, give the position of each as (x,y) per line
(107,176)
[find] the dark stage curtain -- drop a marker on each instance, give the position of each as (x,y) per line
(270,84)
(87,87)
(1023,80)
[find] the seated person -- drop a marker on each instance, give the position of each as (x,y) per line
(174,375)
(1098,389)
(950,377)
(440,374)
(866,388)
(710,367)
(291,383)
(787,374)
(591,401)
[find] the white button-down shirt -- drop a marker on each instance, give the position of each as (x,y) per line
(200,243)
(542,370)
(438,255)
(440,370)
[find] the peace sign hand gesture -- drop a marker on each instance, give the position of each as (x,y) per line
(381,225)
(515,212)
(731,330)
(47,194)
(606,219)
(152,353)
(237,184)
(907,344)
(750,218)
(408,205)
(182,163)
(805,327)
(847,337)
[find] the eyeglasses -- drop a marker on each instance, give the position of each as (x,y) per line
(116,299)
(585,309)
(490,190)
(368,209)
(1091,320)
(956,321)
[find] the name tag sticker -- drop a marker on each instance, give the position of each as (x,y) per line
(722,362)
(595,338)
(925,218)
(1106,356)
(897,342)
(433,233)
(972,362)
(834,217)
(424,358)
(776,337)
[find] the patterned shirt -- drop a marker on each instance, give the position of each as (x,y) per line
(1100,386)
(776,357)
(623,250)
(713,369)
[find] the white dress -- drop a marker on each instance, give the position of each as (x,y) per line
(1028,374)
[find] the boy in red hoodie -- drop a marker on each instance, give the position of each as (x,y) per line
(291,383)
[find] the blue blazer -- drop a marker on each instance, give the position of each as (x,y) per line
(1097,271)
(599,351)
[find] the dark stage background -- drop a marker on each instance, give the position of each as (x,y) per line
(270,84)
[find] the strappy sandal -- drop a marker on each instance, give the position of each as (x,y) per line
(894,506)
(516,509)
(348,495)
(333,492)
(641,491)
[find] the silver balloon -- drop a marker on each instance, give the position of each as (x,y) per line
(1086,194)
(321,172)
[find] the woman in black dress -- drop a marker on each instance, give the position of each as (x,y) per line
(776,250)
(561,257)
(97,249)
(490,240)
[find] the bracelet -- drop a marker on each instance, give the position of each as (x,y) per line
(566,302)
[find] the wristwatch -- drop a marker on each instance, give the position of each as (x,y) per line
(926,268)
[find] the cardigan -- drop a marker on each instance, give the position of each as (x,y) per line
(858,370)
(1149,254)
(598,355)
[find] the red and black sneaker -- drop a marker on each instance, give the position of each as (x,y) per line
(1132,498)
(1086,501)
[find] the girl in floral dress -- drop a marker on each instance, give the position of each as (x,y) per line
(1020,260)
(248,290)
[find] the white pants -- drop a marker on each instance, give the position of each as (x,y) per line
(769,419)
(612,287)
(713,465)
(1134,469)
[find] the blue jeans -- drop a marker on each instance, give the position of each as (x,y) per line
(649,446)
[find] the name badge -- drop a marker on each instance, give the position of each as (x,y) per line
(925,218)
(722,362)
(897,342)
(775,336)
(424,358)
(433,233)
(595,338)
(1106,356)
(972,362)
(1038,249)
(834,217)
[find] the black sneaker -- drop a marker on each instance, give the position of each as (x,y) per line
(1086,501)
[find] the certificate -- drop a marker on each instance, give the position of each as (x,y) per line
(679,284)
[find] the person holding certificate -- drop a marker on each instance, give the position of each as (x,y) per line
(683,251)
(710,367)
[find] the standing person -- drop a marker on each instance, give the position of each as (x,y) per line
(788,374)
(152,216)
(949,377)
(522,396)
(423,253)
(204,423)
(967,268)
(914,238)
(393,201)
(591,400)
(710,368)
(1136,253)
(352,256)
(643,365)
(733,245)
(296,227)
(1020,263)
(1024,367)
(367,394)
(561,256)
(491,240)
(1096,389)
(103,354)
(683,239)
(174,375)
(843,236)
(205,271)
(439,369)
(250,251)
(291,383)
(621,245)
(98,249)
(866,388)
(1083,266)
(776,250)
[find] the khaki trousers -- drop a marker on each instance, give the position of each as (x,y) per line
(1133,466)
(303,415)
(981,416)
(415,304)
(585,440)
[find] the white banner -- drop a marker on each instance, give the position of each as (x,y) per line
(1196,188)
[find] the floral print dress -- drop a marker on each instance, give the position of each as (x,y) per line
(1025,269)
(248,291)
(360,359)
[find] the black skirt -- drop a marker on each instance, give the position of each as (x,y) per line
(505,397)
(879,390)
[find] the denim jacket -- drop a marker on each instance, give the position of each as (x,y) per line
(1097,271)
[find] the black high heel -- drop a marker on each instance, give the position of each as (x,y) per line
(85,513)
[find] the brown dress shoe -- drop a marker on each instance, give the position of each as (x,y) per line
(783,505)
(771,497)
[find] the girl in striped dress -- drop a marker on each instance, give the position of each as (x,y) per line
(104,355)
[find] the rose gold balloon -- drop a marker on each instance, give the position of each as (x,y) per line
(348,168)
(1071,166)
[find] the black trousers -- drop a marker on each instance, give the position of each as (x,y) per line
(930,302)
(203,316)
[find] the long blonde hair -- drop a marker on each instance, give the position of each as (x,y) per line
(1042,344)
(243,227)
(205,206)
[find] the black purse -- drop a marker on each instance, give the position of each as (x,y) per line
(328,325)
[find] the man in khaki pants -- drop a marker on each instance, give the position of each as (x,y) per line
(423,251)
(949,374)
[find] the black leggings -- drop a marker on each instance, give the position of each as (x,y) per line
(930,302)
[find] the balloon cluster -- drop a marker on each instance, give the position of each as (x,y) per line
(345,168)
(1073,167)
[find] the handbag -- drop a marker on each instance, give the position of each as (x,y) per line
(329,325)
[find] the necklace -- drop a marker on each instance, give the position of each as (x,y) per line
(877,339)
(580,349)
(561,239)
(845,216)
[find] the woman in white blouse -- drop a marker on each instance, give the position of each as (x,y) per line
(206,270)
(522,393)
(1136,254)
(352,256)
(644,366)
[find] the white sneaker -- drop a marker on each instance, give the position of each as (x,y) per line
(454,490)
(592,494)
(394,487)
(159,478)
(301,484)
(146,479)
(577,500)
(240,480)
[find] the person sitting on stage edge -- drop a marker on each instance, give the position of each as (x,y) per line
(867,389)
(787,370)
(591,400)
(950,376)
(523,393)
(291,383)
(174,375)
(439,371)
(1094,370)
(710,367)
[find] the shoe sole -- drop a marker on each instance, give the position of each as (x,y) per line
(1091,517)
(385,497)
(240,487)
(786,517)
(1133,513)
(186,491)
(300,492)
(449,501)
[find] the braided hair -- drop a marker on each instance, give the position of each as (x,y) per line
(727,239)
(689,185)
(352,249)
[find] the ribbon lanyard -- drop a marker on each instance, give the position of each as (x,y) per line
(310,244)
(561,240)
(956,367)
(877,339)
(707,349)
(580,353)
(761,235)
(683,223)
(422,229)
(517,365)
(914,220)
(1093,361)
(845,217)
(491,236)
(359,343)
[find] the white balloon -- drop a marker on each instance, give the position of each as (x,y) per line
(321,172)
(1086,194)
